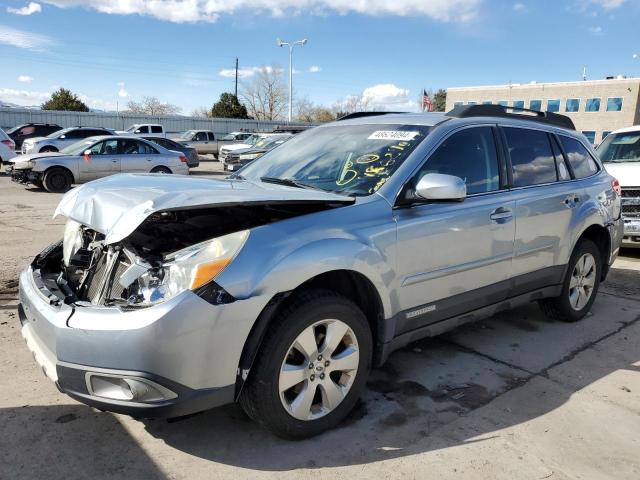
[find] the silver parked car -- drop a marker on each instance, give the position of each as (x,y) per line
(282,286)
(60,139)
(94,158)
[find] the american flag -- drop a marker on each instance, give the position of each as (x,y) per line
(427,104)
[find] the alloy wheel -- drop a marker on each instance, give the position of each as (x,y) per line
(318,370)
(583,280)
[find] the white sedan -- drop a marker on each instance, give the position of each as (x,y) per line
(93,158)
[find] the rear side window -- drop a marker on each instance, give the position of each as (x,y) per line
(156,129)
(532,159)
(211,136)
(471,155)
(147,149)
(563,171)
(580,159)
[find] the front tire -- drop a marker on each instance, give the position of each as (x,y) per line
(57,180)
(312,366)
(580,285)
(48,150)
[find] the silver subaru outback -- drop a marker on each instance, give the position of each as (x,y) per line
(281,286)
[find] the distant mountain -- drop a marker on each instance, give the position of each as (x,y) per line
(4,104)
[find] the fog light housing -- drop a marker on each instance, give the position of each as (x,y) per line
(125,388)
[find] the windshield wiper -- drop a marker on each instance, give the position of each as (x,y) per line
(289,182)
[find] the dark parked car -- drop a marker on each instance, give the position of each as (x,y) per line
(191,153)
(29,130)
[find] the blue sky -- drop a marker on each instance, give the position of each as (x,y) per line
(177,50)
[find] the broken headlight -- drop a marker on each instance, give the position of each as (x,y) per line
(189,268)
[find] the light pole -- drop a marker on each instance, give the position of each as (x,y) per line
(280,43)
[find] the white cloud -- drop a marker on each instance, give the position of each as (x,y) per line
(30,9)
(25,79)
(314,69)
(387,96)
(607,4)
(122,92)
(244,72)
(23,39)
(519,7)
(597,30)
(191,11)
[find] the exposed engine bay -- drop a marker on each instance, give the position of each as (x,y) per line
(146,267)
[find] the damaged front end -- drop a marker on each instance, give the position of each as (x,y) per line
(168,253)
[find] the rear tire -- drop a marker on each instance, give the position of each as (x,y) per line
(161,170)
(48,150)
(57,180)
(298,361)
(580,285)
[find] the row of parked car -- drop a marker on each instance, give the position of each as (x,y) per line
(79,154)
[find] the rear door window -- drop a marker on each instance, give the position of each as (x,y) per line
(532,160)
(156,129)
(211,136)
(582,164)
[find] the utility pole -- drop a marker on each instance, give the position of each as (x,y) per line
(280,43)
(236,77)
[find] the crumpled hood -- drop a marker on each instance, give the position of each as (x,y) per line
(22,160)
(115,206)
(627,173)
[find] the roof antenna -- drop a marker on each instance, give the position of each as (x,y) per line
(584,73)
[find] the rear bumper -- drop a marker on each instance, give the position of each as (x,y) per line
(186,345)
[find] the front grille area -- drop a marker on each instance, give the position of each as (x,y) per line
(631,202)
(97,278)
(633,192)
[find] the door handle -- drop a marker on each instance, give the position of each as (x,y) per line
(501,215)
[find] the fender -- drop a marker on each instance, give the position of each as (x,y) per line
(70,163)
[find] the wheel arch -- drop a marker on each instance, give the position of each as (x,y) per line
(598,234)
(349,283)
(61,167)
(48,148)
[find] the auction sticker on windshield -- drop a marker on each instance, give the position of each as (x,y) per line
(392,135)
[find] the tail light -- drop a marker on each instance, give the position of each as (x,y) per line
(9,143)
(616,186)
(183,159)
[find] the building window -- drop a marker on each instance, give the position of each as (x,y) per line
(605,135)
(614,104)
(535,105)
(503,103)
(572,105)
(487,102)
(457,104)
(593,105)
(472,103)
(518,104)
(591,136)
(553,105)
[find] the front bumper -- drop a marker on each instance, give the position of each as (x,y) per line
(631,236)
(185,345)
(24,176)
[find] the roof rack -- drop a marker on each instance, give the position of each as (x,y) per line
(349,116)
(466,111)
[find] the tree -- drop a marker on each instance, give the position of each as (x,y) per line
(63,99)
(202,112)
(228,107)
(351,104)
(265,96)
(324,115)
(440,100)
(305,110)
(152,106)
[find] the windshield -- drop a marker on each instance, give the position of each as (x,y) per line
(620,147)
(188,134)
(349,159)
(251,140)
(78,147)
(265,142)
(15,129)
(132,128)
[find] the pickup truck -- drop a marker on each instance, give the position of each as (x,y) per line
(620,153)
(205,141)
(145,129)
